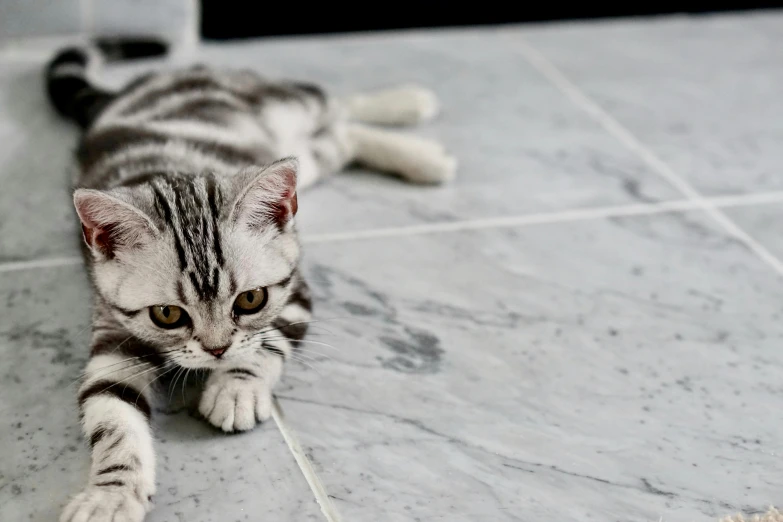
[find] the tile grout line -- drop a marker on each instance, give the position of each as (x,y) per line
(47,262)
(305,466)
(612,126)
(541,218)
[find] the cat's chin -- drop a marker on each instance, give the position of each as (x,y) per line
(210,364)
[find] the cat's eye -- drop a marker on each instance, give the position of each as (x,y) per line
(250,301)
(168,316)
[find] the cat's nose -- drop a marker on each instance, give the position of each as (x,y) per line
(217,352)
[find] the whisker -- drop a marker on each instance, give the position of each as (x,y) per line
(174,383)
(301,357)
(304,341)
(123,342)
(153,380)
(135,358)
(184,381)
(301,322)
(100,376)
(141,357)
(306,363)
(134,376)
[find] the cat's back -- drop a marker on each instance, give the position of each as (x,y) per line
(185,121)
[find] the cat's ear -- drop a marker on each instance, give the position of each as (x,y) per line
(109,224)
(266,195)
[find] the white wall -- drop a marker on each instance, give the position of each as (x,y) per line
(175,19)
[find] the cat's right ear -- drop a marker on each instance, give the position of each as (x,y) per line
(110,224)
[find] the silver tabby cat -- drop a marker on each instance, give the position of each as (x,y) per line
(187,197)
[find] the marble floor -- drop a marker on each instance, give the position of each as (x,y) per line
(584,325)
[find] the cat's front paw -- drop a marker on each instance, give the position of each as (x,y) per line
(105,504)
(234,401)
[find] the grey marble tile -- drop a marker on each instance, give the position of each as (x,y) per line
(36,217)
(522,146)
(619,369)
(763,223)
(703,93)
(25,18)
(202,474)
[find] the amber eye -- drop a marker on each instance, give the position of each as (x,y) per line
(168,316)
(250,302)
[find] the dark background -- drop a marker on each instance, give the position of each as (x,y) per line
(231,19)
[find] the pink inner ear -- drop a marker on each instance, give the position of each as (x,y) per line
(87,234)
(286,208)
(270,197)
(97,238)
(108,223)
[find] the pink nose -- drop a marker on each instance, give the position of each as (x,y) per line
(218,352)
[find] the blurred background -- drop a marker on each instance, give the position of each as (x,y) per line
(233,19)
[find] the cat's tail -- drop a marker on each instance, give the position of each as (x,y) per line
(404,105)
(68,86)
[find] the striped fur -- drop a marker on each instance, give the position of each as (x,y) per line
(185,202)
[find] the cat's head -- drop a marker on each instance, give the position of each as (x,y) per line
(196,266)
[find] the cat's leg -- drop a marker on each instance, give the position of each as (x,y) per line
(416,159)
(404,105)
(114,400)
(304,122)
(235,398)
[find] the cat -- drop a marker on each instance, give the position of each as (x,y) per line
(187,193)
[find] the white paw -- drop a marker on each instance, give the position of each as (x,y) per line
(234,403)
(427,162)
(434,169)
(105,504)
(406,105)
(416,104)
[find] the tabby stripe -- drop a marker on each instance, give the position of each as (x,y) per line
(299,298)
(116,467)
(123,311)
(114,444)
(118,483)
(109,141)
(195,284)
(157,96)
(312,90)
(234,286)
(286,281)
(242,371)
(181,292)
(142,178)
(122,392)
(214,200)
(292,331)
(99,434)
(164,209)
(215,282)
(202,104)
(136,84)
(137,350)
(275,350)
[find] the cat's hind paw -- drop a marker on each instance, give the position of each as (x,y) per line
(404,105)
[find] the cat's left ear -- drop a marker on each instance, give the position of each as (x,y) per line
(266,195)
(110,224)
